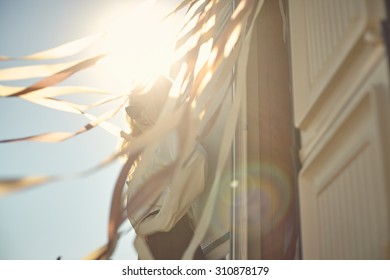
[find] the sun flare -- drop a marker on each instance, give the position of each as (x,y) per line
(139,46)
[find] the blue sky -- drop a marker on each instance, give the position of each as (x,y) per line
(67,218)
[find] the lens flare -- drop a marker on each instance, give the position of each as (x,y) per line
(269,195)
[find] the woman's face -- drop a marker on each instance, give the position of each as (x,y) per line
(139,116)
(144,109)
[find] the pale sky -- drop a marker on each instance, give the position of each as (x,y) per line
(67,218)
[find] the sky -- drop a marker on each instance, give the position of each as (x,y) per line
(67,218)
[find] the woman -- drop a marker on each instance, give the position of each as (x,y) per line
(165,224)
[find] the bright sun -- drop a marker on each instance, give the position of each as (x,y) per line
(140,46)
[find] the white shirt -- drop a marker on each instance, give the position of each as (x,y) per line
(179,192)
